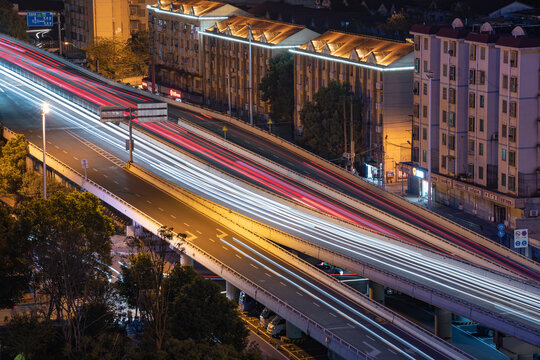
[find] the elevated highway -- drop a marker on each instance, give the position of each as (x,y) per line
(502,302)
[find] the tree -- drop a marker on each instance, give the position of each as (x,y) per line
(322,120)
(200,312)
(71,252)
(15,261)
(139,43)
(397,25)
(13,164)
(277,87)
(10,22)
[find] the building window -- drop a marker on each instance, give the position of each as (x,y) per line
(480,149)
(503,154)
(511,183)
(512,158)
(416,42)
(505,57)
(452,49)
(425,89)
(505,81)
(480,172)
(504,106)
(416,110)
(452,72)
(424,111)
(426,47)
(416,87)
(471,147)
(513,84)
(415,154)
(472,76)
(471,123)
(415,132)
(472,52)
(424,133)
(481,101)
(443,139)
(416,65)
(470,170)
(445,70)
(452,95)
(512,134)
(445,47)
(481,77)
(513,58)
(481,123)
(472,99)
(444,116)
(503,180)
(424,155)
(426,67)
(452,119)
(503,131)
(443,162)
(452,142)
(444,93)
(513,109)
(482,53)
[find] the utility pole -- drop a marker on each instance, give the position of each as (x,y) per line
(352,136)
(229,92)
(59,34)
(250,78)
(345,153)
(429,75)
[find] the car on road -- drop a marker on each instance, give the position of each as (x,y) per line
(276,327)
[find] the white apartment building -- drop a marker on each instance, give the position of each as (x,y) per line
(485,121)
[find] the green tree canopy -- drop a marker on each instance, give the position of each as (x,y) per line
(12,23)
(13,164)
(277,87)
(323,118)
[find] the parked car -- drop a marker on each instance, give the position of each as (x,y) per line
(245,302)
(276,327)
(265,317)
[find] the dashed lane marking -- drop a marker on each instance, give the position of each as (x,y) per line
(332,314)
(148,201)
(186,224)
(107,176)
(198,232)
(174,217)
(317,305)
(238,256)
(160,209)
(282,283)
(224,247)
(253,266)
(267,274)
(299,293)
(76,158)
(116,182)
(64,151)
(212,240)
(137,195)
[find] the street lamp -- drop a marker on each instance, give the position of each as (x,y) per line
(429,75)
(250,79)
(44,110)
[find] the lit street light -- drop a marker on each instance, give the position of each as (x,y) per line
(44,110)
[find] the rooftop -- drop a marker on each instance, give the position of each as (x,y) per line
(189,7)
(358,48)
(264,31)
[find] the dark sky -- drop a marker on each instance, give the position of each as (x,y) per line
(39,4)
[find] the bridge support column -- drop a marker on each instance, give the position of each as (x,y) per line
(333,356)
(514,348)
(185,260)
(376,292)
(292,331)
(443,324)
(232,292)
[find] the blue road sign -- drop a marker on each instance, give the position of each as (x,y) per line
(500,227)
(500,234)
(39,19)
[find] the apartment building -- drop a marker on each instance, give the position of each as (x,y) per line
(486,120)
(380,73)
(86,20)
(176,44)
(227,48)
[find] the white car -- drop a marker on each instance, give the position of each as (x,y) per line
(276,326)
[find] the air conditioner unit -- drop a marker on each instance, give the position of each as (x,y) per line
(533,213)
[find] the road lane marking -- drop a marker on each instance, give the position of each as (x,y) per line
(96,170)
(186,224)
(160,209)
(350,325)
(282,283)
(148,201)
(221,233)
(174,217)
(116,182)
(126,188)
(56,146)
(137,195)
(254,266)
(64,151)
(224,247)
(107,176)
(76,158)
(267,274)
(334,315)
(317,305)
(238,256)
(370,338)
(299,293)
(190,236)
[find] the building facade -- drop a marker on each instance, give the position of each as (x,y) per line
(176,49)
(227,48)
(486,129)
(87,20)
(380,73)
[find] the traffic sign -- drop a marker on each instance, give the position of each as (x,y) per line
(521,238)
(500,227)
(112,113)
(84,163)
(500,234)
(39,19)
(152,112)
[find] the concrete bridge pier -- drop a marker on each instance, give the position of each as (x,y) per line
(514,348)
(376,292)
(185,260)
(443,324)
(232,292)
(292,331)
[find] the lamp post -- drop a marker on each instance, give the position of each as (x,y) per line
(250,79)
(44,110)
(429,75)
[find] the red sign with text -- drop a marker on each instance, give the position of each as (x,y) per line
(175,93)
